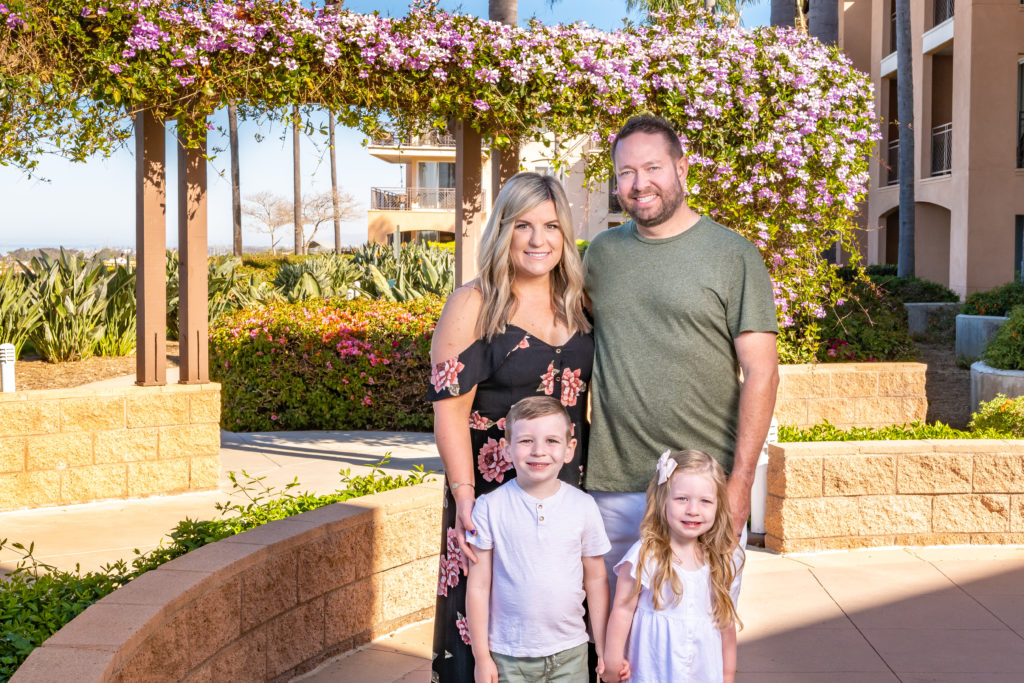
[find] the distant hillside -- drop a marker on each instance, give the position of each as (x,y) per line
(54,252)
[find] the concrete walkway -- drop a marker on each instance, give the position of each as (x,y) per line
(942,615)
(929,614)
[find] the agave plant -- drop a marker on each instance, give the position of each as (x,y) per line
(420,270)
(119,337)
(20,311)
(72,295)
(226,290)
(322,276)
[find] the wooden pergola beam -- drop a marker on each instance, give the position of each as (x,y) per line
(193,316)
(150,247)
(470,213)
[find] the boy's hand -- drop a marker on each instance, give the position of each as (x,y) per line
(614,671)
(485,671)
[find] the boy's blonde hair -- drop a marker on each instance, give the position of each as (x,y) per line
(532,407)
(716,545)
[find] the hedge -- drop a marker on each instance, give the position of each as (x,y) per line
(335,364)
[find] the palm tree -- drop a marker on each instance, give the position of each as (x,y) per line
(783,13)
(503,11)
(823,21)
(334,183)
(297,185)
(730,7)
(905,114)
(236,188)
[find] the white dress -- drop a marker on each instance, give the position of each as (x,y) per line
(679,643)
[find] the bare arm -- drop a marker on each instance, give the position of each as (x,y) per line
(729,653)
(595,584)
(619,623)
(478,607)
(759,361)
(454,332)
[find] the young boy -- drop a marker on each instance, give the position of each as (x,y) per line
(540,548)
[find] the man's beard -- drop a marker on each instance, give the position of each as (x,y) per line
(670,203)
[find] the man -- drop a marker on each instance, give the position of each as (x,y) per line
(680,304)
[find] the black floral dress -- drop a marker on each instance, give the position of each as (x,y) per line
(512,366)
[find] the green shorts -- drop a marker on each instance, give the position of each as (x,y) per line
(567,666)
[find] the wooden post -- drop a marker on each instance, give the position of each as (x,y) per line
(150,251)
(469,209)
(193,318)
(504,165)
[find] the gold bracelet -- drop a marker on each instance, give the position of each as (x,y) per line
(456,484)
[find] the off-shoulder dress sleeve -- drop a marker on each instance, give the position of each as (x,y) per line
(460,373)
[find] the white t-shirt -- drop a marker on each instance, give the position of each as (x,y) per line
(537,570)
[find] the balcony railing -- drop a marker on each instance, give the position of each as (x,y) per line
(943,9)
(893,161)
(942,149)
(1020,134)
(431,139)
(892,33)
(412,198)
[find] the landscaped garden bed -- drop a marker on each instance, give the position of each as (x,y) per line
(170,611)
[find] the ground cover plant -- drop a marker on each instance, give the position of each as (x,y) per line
(1006,349)
(1001,414)
(325,364)
(37,599)
(996,301)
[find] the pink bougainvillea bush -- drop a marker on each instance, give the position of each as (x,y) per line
(357,364)
(779,128)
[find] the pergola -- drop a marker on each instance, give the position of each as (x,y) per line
(778,127)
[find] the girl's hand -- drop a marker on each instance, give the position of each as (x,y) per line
(485,670)
(464,503)
(613,671)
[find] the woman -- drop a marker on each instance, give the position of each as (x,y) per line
(517,330)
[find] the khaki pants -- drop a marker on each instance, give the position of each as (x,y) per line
(567,666)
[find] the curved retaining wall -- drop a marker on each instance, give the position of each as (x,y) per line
(264,605)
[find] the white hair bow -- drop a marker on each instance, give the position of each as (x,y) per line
(666,466)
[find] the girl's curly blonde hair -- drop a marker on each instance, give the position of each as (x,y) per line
(716,545)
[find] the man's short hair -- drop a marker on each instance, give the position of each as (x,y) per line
(532,407)
(652,125)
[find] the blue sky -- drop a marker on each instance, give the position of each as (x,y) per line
(92,204)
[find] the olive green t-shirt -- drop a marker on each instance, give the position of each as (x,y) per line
(666,312)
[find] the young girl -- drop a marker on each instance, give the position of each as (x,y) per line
(674,597)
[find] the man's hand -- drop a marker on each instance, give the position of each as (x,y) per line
(738,489)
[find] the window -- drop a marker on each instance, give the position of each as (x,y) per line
(1018,243)
(1020,112)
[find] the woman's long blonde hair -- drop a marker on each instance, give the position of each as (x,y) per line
(523,192)
(717,544)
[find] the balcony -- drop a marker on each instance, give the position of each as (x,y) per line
(432,146)
(941,11)
(1020,134)
(412,198)
(942,149)
(893,162)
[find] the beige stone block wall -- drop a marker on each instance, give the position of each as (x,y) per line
(265,605)
(66,446)
(862,494)
(851,394)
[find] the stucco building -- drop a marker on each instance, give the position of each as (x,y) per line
(968,71)
(424,207)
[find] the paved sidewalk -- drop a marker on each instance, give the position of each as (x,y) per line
(95,534)
(944,615)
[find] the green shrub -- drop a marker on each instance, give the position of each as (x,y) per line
(996,301)
(227,290)
(36,600)
(1001,414)
(903,432)
(71,293)
(940,326)
(422,270)
(319,277)
(915,290)
(338,364)
(884,269)
(20,311)
(1006,349)
(869,326)
(120,318)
